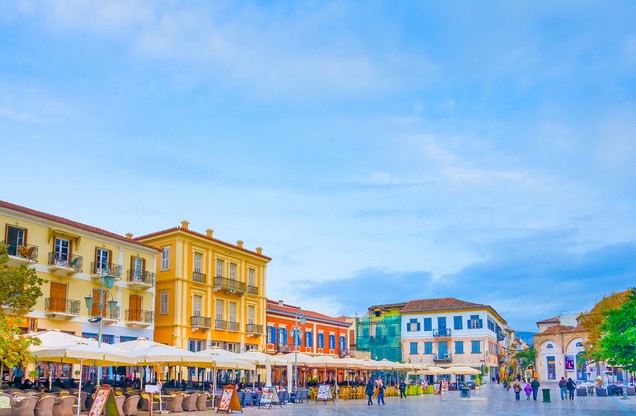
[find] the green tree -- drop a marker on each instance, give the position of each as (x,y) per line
(618,343)
(20,288)
(526,358)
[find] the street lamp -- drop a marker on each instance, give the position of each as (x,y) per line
(298,316)
(108,280)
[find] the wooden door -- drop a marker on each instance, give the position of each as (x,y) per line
(95,308)
(58,297)
(134,306)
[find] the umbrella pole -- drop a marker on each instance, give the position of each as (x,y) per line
(79,393)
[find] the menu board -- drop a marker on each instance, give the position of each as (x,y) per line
(324,393)
(444,385)
(229,400)
(104,399)
(269,397)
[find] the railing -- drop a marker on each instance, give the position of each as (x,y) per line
(62,305)
(252,290)
(283,347)
(233,326)
(342,353)
(139,315)
(64,260)
(112,270)
(442,357)
(254,328)
(107,313)
(200,322)
(229,284)
(24,251)
(220,324)
(141,276)
(444,332)
(198,277)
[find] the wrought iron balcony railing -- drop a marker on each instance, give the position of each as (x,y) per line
(27,252)
(110,269)
(62,305)
(141,276)
(442,357)
(107,313)
(139,315)
(254,328)
(220,324)
(233,326)
(252,290)
(444,332)
(198,277)
(67,261)
(200,322)
(229,284)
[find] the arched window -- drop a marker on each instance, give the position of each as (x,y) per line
(579,344)
(549,347)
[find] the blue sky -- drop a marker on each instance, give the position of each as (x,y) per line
(378,152)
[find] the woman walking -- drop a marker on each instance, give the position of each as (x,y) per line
(381,392)
(516,387)
(571,386)
(369,391)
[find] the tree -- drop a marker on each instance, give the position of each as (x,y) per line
(618,343)
(20,288)
(527,357)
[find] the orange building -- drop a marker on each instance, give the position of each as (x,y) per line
(318,334)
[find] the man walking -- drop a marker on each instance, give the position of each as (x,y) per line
(562,386)
(571,386)
(369,391)
(402,389)
(535,388)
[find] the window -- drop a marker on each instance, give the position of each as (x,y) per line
(343,343)
(198,260)
(549,346)
(282,336)
(459,347)
(102,260)
(392,330)
(428,348)
(309,339)
(428,324)
(271,335)
(220,267)
(138,266)
(491,324)
(251,277)
(413,325)
(413,348)
(475,347)
(163,302)
(332,341)
(579,344)
(220,310)
(474,322)
(321,340)
(232,314)
(62,251)
(15,238)
(197,301)
(251,314)
(108,339)
(233,271)
(126,339)
(298,337)
(196,345)
(457,322)
(165,258)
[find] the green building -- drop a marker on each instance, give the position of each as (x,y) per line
(379,332)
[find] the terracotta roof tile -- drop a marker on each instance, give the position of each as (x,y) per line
(275,306)
(216,240)
(74,224)
(553,320)
(440,304)
(557,329)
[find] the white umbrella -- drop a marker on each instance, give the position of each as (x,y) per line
(463,370)
(261,359)
(220,358)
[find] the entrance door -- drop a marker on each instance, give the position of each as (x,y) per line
(551,368)
(442,349)
(58,297)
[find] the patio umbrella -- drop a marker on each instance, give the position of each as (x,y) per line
(463,370)
(220,358)
(432,370)
(261,359)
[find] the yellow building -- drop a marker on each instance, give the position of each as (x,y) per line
(73,258)
(209,292)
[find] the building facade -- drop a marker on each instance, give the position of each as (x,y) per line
(378,332)
(209,292)
(449,331)
(318,334)
(74,258)
(559,344)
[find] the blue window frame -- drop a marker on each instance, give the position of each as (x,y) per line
(343,343)
(321,340)
(271,335)
(474,322)
(282,336)
(475,347)
(457,322)
(126,339)
(195,345)
(428,324)
(332,341)
(459,347)
(413,348)
(309,339)
(298,337)
(413,325)
(428,348)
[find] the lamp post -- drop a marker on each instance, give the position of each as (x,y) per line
(297,317)
(108,280)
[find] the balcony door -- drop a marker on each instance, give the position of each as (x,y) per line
(442,349)
(58,297)
(441,325)
(15,238)
(95,308)
(62,251)
(134,304)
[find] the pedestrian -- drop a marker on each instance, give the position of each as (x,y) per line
(517,389)
(535,388)
(497,378)
(369,390)
(402,389)
(562,387)
(571,386)
(527,389)
(381,388)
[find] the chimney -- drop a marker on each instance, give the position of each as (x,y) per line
(184,224)
(281,303)
(239,243)
(209,232)
(259,250)
(129,236)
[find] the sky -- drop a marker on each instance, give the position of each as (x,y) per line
(378,151)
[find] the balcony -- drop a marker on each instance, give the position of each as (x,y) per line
(198,277)
(377,340)
(108,316)
(98,269)
(21,254)
(139,318)
(233,326)
(284,348)
(444,332)
(61,308)
(140,279)
(200,322)
(442,358)
(252,290)
(220,324)
(254,329)
(229,285)
(65,265)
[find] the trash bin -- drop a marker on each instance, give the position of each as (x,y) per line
(546,395)
(464,392)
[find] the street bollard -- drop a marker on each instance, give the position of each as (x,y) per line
(624,392)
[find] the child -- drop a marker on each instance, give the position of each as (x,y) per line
(517,389)
(528,390)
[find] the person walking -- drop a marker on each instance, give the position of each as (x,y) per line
(527,389)
(571,386)
(381,388)
(402,389)
(369,391)
(562,387)
(535,388)
(516,387)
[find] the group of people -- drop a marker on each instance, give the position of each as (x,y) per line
(375,387)
(567,388)
(530,388)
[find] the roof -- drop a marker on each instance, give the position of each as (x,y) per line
(553,320)
(74,224)
(197,234)
(399,305)
(275,306)
(557,329)
(445,304)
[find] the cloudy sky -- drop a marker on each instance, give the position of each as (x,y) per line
(378,151)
